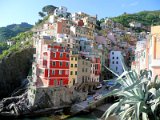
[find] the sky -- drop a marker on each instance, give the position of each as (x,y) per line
(17,11)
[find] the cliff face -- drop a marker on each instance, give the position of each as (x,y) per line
(13,69)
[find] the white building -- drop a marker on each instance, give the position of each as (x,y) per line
(135,24)
(115,62)
(60,11)
(10,43)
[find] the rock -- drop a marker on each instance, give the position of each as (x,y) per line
(13,69)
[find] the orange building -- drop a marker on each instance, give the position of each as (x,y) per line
(154,51)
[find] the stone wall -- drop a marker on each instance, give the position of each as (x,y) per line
(43,97)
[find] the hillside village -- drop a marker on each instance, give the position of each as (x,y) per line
(72,44)
(72,53)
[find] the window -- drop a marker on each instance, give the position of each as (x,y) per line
(61,82)
(83,79)
(67,55)
(55,82)
(71,65)
(54,63)
(117,62)
(41,71)
(60,64)
(75,58)
(86,69)
(67,64)
(83,62)
(53,72)
(112,53)
(71,58)
(117,57)
(96,60)
(60,72)
(112,57)
(54,55)
(61,54)
(71,73)
(86,78)
(75,65)
(82,69)
(113,62)
(75,72)
(116,68)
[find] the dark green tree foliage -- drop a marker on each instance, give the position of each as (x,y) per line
(49,9)
(3,46)
(41,14)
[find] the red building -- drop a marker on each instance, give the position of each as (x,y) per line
(53,66)
(95,68)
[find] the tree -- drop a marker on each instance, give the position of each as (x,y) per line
(41,14)
(49,9)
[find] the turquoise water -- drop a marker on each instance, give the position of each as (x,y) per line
(78,117)
(73,118)
(83,117)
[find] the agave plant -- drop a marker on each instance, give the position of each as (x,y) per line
(139,97)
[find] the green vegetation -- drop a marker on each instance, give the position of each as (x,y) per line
(49,9)
(12,30)
(139,97)
(147,18)
(41,21)
(22,40)
(22,36)
(46,11)
(6,33)
(3,46)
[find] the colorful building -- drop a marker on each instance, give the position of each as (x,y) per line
(154,51)
(52,66)
(73,69)
(95,68)
(84,66)
(148,56)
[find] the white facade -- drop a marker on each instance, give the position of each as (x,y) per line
(140,55)
(115,62)
(52,19)
(75,16)
(135,24)
(60,11)
(10,43)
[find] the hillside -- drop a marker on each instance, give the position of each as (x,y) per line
(12,30)
(147,18)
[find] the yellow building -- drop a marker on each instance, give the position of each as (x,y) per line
(79,70)
(73,69)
